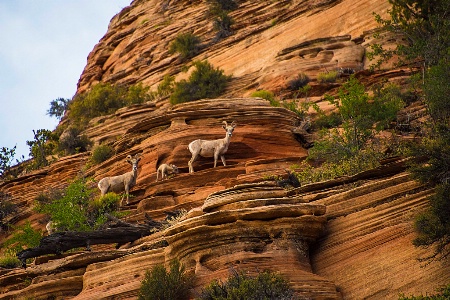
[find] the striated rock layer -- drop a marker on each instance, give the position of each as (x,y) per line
(347,238)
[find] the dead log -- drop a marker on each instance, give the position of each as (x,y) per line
(59,242)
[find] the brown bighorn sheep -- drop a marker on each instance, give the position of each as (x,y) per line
(122,182)
(166,170)
(214,148)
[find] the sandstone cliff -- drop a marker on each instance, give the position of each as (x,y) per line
(348,238)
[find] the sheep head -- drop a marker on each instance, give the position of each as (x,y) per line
(229,128)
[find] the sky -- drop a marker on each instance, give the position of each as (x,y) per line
(44,45)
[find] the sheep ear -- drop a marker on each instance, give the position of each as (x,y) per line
(233,124)
(128,160)
(225,124)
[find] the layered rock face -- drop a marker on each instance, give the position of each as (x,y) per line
(348,238)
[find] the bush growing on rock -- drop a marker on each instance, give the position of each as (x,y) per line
(297,83)
(71,141)
(268,95)
(328,77)
(74,209)
(24,236)
(101,153)
(186,44)
(204,82)
(267,285)
(103,99)
(362,117)
(9,262)
(160,284)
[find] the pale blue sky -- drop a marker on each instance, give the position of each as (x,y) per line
(44,46)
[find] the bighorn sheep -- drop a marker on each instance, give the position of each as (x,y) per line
(214,148)
(166,170)
(122,182)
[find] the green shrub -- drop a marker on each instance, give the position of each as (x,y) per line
(433,225)
(443,294)
(7,208)
(204,82)
(9,262)
(101,153)
(104,99)
(362,161)
(106,204)
(186,44)
(166,86)
(74,209)
(43,145)
(362,117)
(266,285)
(331,120)
(159,284)
(23,237)
(71,141)
(222,5)
(328,77)
(222,24)
(268,95)
(297,83)
(58,107)
(6,158)
(70,211)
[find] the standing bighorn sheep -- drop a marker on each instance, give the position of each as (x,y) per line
(166,170)
(122,182)
(214,148)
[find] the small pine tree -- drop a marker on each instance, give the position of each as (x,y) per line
(159,284)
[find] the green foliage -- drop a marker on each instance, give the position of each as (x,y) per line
(425,24)
(166,86)
(204,82)
(99,207)
(159,284)
(6,158)
(361,161)
(71,141)
(268,95)
(42,146)
(328,77)
(443,294)
(437,88)
(103,99)
(7,208)
(58,107)
(137,94)
(23,237)
(331,120)
(186,44)
(70,211)
(9,262)
(300,81)
(222,5)
(222,24)
(362,117)
(219,9)
(101,153)
(74,208)
(433,226)
(266,285)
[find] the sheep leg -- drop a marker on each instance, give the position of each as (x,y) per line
(127,192)
(194,157)
(222,157)
(157,176)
